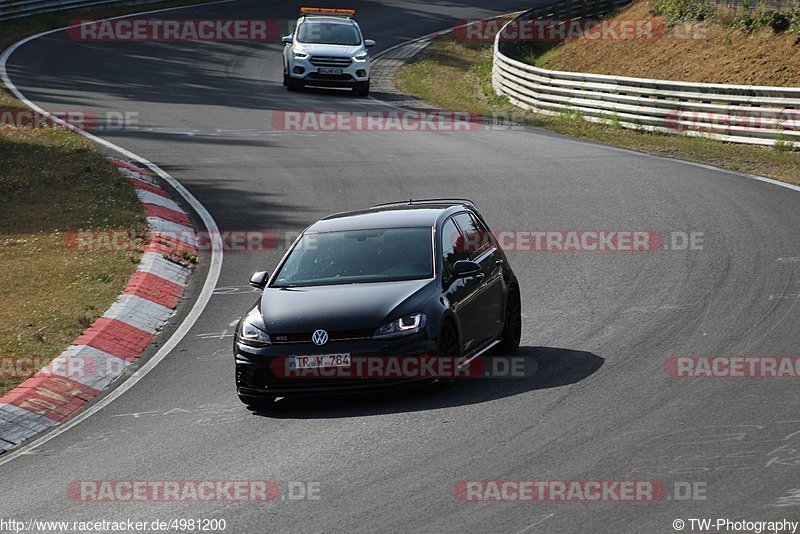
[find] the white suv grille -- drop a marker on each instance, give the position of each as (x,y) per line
(330,61)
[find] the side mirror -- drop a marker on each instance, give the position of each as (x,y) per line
(287,39)
(369,42)
(465,268)
(259,279)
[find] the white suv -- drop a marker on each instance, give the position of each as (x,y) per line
(327,49)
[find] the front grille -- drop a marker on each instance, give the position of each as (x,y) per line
(305,337)
(330,77)
(330,61)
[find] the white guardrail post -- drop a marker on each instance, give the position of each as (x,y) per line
(761,115)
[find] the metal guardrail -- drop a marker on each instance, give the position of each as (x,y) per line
(13,9)
(761,115)
(573,9)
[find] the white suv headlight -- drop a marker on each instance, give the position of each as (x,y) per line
(410,324)
(360,57)
(300,55)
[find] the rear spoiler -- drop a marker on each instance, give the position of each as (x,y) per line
(415,202)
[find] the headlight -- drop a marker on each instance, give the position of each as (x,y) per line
(300,55)
(250,334)
(360,57)
(410,324)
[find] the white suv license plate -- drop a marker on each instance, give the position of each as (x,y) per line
(330,71)
(319,361)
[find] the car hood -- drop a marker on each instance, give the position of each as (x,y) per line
(340,307)
(329,50)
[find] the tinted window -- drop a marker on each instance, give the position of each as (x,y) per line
(360,256)
(453,246)
(328,33)
(478,239)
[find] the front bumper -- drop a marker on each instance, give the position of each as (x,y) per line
(256,368)
(309,74)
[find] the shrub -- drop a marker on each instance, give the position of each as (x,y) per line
(780,21)
(678,11)
(794,24)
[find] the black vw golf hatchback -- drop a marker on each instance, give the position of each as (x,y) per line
(393,283)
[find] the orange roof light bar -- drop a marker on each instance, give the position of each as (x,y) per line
(327,11)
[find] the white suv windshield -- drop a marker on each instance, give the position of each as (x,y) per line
(328,33)
(359,256)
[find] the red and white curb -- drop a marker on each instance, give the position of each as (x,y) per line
(103,351)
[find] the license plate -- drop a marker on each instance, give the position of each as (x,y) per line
(319,361)
(330,71)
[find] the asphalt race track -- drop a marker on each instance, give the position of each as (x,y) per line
(598,327)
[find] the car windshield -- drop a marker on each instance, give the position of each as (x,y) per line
(328,33)
(358,256)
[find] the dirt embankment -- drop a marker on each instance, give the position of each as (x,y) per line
(709,52)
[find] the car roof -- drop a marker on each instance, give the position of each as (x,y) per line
(402,216)
(327,19)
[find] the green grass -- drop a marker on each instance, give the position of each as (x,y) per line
(52,182)
(455,75)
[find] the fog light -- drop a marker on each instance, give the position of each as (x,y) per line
(298,70)
(361,73)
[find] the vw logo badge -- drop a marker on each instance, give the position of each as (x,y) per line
(320,337)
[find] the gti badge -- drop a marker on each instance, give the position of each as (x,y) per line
(320,337)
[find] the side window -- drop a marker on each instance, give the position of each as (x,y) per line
(478,240)
(453,246)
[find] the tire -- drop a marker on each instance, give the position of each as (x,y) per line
(293,84)
(257,401)
(512,325)
(361,89)
(285,79)
(447,345)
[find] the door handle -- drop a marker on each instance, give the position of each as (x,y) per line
(499,263)
(480,276)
